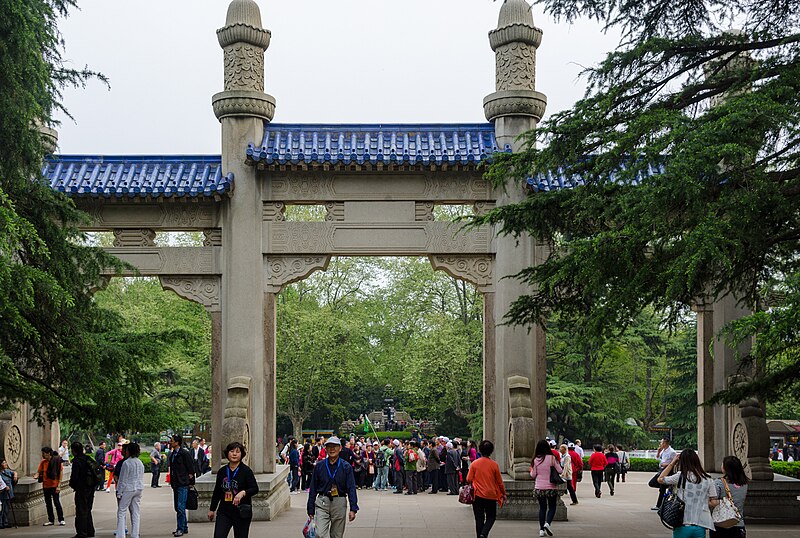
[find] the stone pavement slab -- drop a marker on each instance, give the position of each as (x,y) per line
(627,514)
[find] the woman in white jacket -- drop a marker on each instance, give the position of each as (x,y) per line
(130,485)
(696,489)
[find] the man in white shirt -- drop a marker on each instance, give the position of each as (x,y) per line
(578,448)
(665,456)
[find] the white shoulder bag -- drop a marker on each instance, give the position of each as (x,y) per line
(725,514)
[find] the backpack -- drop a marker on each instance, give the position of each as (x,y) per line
(95,473)
(380,459)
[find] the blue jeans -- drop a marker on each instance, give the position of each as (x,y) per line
(179,495)
(382,478)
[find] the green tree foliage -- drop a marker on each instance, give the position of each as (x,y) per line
(688,145)
(58,350)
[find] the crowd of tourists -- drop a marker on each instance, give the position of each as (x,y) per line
(332,471)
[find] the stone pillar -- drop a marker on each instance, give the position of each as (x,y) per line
(705,384)
(514,108)
(243,108)
(489,366)
(270,379)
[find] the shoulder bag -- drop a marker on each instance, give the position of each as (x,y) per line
(466,494)
(725,514)
(191,499)
(671,511)
(555,478)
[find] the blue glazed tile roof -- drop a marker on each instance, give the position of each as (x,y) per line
(549,181)
(423,144)
(137,176)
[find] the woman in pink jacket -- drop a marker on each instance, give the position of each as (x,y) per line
(545,491)
(112,458)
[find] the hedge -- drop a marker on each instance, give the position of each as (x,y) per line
(649,465)
(786,468)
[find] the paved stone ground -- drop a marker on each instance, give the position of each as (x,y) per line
(383,514)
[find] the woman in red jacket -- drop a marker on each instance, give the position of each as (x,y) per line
(597,463)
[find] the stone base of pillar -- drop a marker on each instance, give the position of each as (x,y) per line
(773,502)
(272,499)
(28,504)
(522,504)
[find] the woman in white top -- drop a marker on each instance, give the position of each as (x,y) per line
(698,492)
(130,485)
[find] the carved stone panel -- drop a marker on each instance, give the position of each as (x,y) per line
(157,216)
(516,67)
(236,422)
(141,237)
(424,211)
(335,211)
(274,211)
(14,441)
(201,290)
(156,261)
(750,438)
(244,67)
(212,237)
(482,208)
(283,270)
(477,270)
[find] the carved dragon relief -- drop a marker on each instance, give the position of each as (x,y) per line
(201,290)
(283,270)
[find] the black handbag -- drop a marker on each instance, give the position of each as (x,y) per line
(671,510)
(191,499)
(245,511)
(555,478)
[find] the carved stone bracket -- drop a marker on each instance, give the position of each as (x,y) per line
(201,290)
(212,237)
(101,284)
(236,424)
(477,270)
(134,237)
(274,211)
(521,428)
(423,211)
(750,437)
(283,270)
(482,208)
(335,211)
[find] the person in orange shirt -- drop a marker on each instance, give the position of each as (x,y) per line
(484,475)
(597,463)
(49,474)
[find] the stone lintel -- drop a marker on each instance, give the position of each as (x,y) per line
(374,239)
(322,186)
(155,215)
(173,261)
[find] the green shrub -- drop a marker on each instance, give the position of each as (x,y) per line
(790,469)
(393,435)
(648,465)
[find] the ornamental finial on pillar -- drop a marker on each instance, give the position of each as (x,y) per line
(515,42)
(244,41)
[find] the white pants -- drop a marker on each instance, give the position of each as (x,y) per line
(128,501)
(331,516)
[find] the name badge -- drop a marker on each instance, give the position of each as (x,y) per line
(334,491)
(228,497)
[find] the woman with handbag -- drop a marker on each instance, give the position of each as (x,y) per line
(545,470)
(612,467)
(233,492)
(484,476)
(732,486)
(696,490)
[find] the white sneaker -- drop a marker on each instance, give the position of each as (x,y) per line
(108,490)
(542,533)
(48,524)
(62,523)
(547,529)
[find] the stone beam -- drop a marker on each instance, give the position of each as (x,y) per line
(373,239)
(173,261)
(331,186)
(155,215)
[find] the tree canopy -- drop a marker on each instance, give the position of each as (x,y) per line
(58,349)
(684,156)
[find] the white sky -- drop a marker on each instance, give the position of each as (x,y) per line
(342,61)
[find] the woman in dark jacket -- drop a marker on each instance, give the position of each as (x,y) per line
(232,499)
(307,465)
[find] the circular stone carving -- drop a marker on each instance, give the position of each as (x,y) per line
(740,442)
(243,103)
(514,103)
(13,447)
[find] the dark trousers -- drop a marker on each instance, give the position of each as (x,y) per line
(398,480)
(597,481)
(5,512)
(611,476)
(485,512)
(84,525)
(547,509)
(435,481)
(571,490)
(411,482)
(294,474)
(360,478)
(156,471)
(733,532)
(306,479)
(51,498)
(662,491)
(452,483)
(225,521)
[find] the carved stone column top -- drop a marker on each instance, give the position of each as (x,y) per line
(201,290)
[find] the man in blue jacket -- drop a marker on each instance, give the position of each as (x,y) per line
(331,482)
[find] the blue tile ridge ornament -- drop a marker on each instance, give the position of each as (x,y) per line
(561,179)
(366,144)
(138,176)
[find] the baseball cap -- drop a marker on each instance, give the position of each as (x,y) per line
(333,441)
(571,445)
(396,442)
(552,442)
